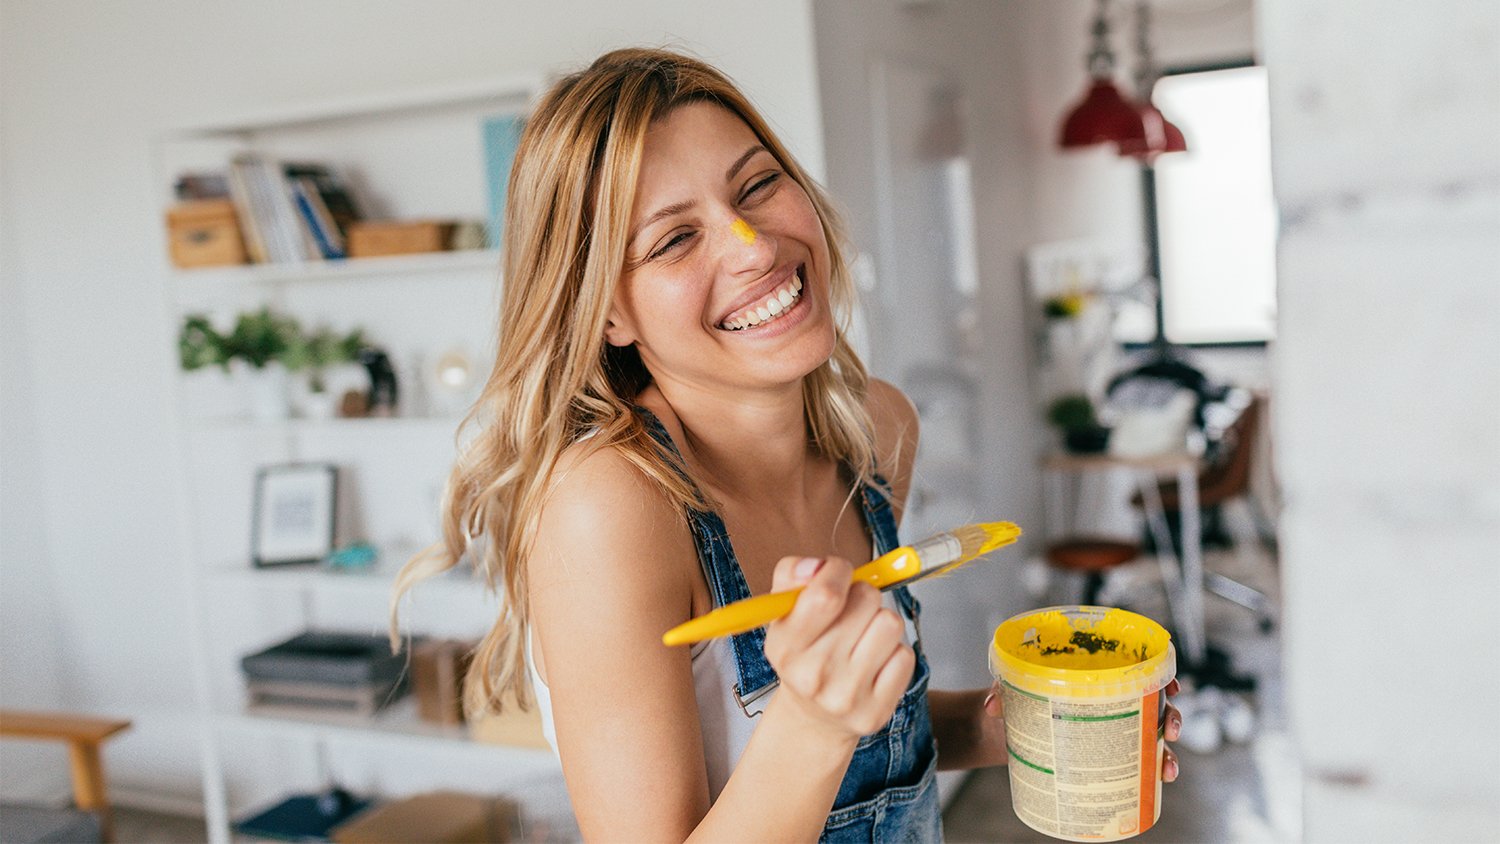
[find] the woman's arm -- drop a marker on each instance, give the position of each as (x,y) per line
(968,726)
(614,567)
(965,737)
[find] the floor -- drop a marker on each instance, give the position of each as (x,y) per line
(1240,792)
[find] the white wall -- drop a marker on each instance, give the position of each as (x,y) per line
(88,349)
(970,46)
(1384,117)
(30,657)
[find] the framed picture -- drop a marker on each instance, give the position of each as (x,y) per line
(501,135)
(294,513)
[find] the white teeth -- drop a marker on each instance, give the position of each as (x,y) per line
(778,303)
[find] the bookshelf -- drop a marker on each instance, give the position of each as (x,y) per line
(407,154)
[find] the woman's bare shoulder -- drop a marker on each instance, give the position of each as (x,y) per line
(896,433)
(600,507)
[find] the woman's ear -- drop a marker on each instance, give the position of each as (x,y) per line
(617,331)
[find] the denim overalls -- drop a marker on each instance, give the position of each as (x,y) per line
(889,792)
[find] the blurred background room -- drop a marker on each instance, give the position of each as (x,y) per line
(1204,294)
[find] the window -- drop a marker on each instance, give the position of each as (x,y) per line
(1216,216)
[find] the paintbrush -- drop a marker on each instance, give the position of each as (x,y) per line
(935,555)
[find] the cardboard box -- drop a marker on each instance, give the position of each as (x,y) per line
(437,675)
(511,727)
(437,817)
(369,239)
(204,233)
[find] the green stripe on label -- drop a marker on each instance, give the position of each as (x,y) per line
(1131,714)
(1019,692)
(1026,763)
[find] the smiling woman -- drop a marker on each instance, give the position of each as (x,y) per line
(675,421)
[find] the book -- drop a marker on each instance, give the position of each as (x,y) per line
(331,190)
(315,216)
(244,207)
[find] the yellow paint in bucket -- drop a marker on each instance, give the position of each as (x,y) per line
(1084,706)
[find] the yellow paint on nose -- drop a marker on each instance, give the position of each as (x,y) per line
(743,231)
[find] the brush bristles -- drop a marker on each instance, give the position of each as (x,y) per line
(980,539)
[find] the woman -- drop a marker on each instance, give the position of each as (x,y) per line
(675,421)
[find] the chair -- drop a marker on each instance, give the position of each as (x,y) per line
(1092,558)
(91,820)
(1226,479)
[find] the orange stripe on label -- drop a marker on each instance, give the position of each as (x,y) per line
(1150,759)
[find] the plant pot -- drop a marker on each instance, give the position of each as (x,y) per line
(319,405)
(268,391)
(1086,440)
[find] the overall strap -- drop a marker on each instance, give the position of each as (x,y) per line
(882,523)
(726,580)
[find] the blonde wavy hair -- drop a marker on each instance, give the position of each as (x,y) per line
(555,379)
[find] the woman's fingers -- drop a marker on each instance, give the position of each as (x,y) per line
(1169,769)
(1173,687)
(994,706)
(838,648)
(1174,723)
(825,587)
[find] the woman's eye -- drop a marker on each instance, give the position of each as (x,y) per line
(761,186)
(676,240)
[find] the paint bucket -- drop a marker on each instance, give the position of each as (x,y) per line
(1083,689)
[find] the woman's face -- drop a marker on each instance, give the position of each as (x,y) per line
(709,301)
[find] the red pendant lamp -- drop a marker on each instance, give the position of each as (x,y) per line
(1104,115)
(1162,136)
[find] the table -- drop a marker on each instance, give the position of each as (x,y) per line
(1183,579)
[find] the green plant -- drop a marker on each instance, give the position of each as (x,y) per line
(199,345)
(262,336)
(1072,412)
(319,350)
(1064,306)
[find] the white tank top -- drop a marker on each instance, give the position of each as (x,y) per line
(726,727)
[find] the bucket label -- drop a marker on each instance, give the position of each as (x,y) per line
(1085,770)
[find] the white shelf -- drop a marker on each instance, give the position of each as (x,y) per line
(378,579)
(440,425)
(435,264)
(398,722)
(505,91)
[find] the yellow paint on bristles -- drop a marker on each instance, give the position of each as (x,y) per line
(743,231)
(996,534)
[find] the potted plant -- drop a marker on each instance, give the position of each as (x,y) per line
(315,353)
(1073,414)
(252,353)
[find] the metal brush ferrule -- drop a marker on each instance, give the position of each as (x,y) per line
(938,551)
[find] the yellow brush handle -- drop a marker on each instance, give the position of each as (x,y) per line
(888,569)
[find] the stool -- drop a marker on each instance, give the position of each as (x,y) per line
(1092,558)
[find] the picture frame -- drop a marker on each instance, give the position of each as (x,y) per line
(500,136)
(295,509)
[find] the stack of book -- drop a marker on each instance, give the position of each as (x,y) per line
(323,671)
(290,212)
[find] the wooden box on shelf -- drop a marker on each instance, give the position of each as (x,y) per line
(432,818)
(373,239)
(204,233)
(437,673)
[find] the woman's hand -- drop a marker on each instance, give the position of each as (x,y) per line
(1169,766)
(840,654)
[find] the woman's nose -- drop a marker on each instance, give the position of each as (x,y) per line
(746,247)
